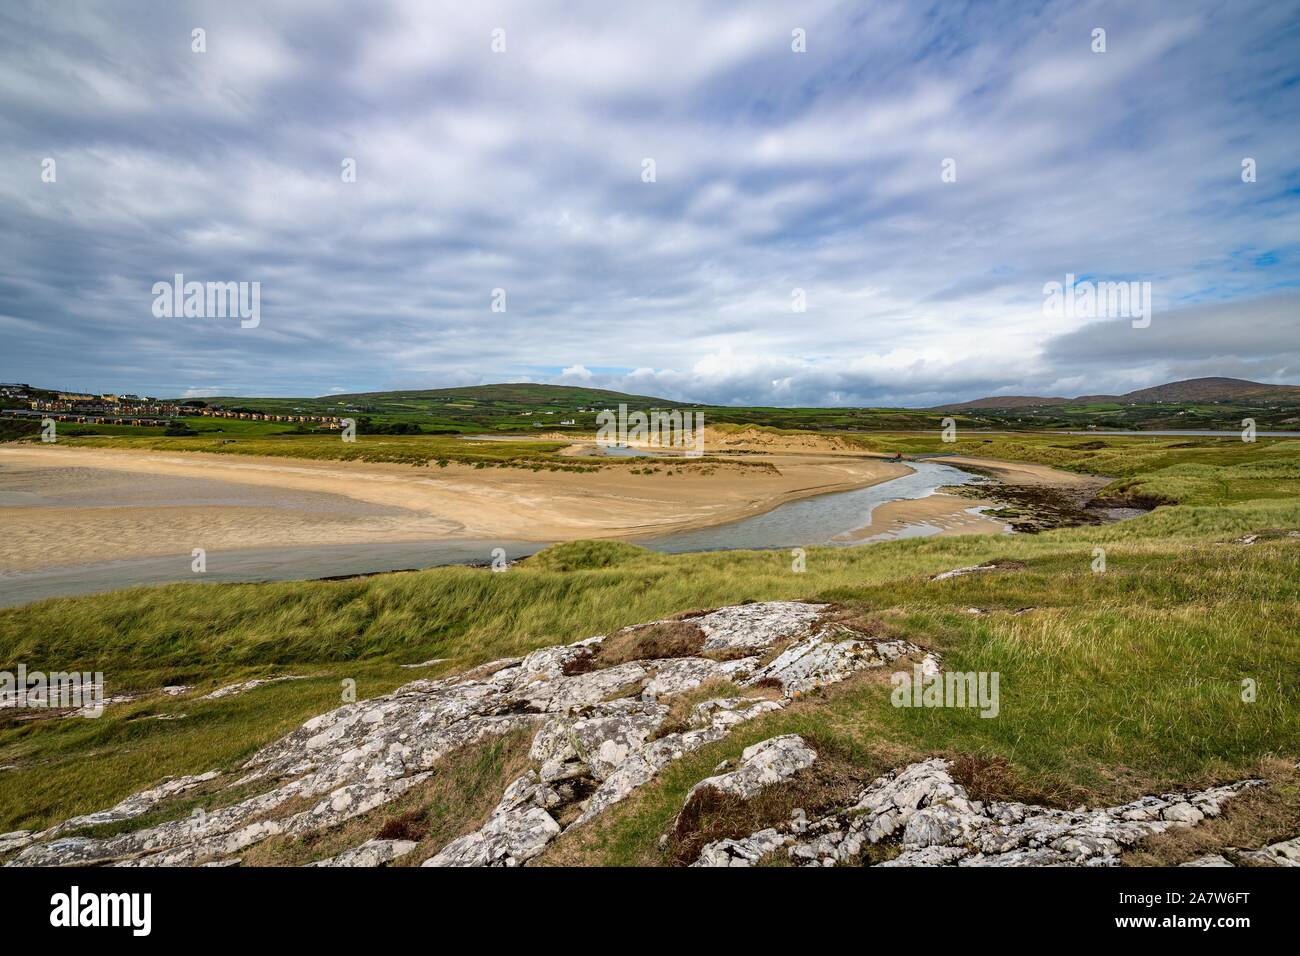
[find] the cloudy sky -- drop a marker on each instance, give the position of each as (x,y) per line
(774,171)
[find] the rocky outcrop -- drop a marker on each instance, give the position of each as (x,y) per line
(15,840)
(746,852)
(962,572)
(136,804)
(828,656)
(932,821)
(599,734)
(761,766)
(1285,853)
(370,853)
(1268,534)
(754,627)
(231,689)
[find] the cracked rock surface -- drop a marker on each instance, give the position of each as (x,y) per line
(1285,853)
(933,822)
(763,764)
(828,656)
(370,853)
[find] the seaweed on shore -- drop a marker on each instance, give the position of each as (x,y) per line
(1029,509)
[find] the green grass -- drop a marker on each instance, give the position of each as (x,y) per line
(1114,685)
(1174,470)
(1111,684)
(209,635)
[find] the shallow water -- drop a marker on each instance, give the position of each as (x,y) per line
(81,487)
(825,519)
(252,564)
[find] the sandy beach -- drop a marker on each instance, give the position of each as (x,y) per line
(68,505)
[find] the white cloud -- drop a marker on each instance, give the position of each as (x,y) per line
(522,171)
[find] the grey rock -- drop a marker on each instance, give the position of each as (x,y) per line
(136,804)
(959,572)
(15,840)
(232,689)
(724,713)
(762,765)
(558,694)
(756,626)
(641,767)
(1182,813)
(1286,853)
(928,856)
(595,744)
(829,656)
(680,674)
(744,852)
(370,853)
(936,824)
(511,838)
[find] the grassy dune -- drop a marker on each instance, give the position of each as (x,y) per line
(401,449)
(1112,683)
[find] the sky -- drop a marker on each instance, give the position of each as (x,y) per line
(869,220)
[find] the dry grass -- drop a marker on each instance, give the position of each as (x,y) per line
(662,639)
(407,826)
(994,778)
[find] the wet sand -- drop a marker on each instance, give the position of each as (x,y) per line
(64,506)
(937,514)
(1023,473)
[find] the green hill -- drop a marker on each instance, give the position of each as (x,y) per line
(516,393)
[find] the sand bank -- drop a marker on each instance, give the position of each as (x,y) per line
(947,514)
(68,505)
(1023,473)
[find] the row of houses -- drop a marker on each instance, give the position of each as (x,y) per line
(100,405)
(329,421)
(120,411)
(107,397)
(83,419)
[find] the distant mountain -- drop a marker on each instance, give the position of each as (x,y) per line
(1188,390)
(1004,401)
(517,393)
(1212,389)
